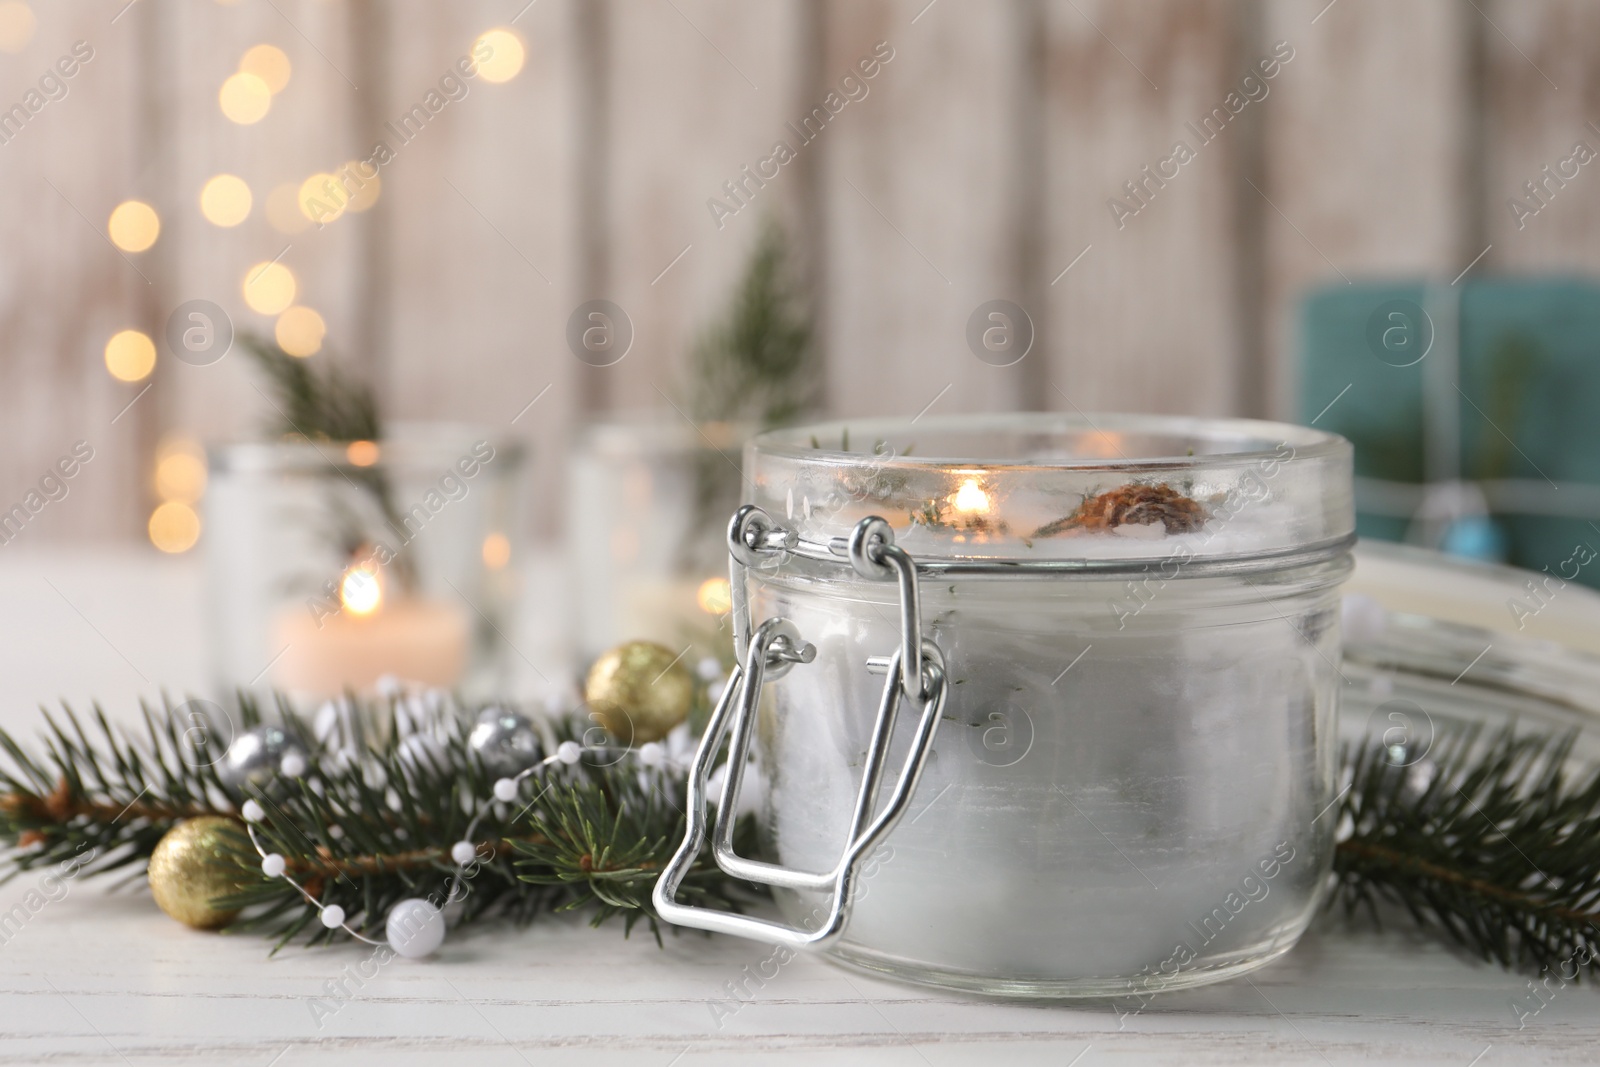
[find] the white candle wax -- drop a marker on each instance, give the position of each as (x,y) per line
(1073,824)
(420,640)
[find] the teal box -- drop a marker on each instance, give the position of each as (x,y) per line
(1525,391)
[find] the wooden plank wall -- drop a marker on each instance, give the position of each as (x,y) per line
(979,164)
(63,288)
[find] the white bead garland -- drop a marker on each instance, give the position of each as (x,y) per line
(415,928)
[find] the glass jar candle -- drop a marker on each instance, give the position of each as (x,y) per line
(649,497)
(331,565)
(1113,768)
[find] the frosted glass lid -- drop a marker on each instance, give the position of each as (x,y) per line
(1057,487)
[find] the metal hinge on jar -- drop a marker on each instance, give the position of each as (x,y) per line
(915,675)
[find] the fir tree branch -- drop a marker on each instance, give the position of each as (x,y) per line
(326,406)
(758,362)
(319,406)
(363,832)
(1492,840)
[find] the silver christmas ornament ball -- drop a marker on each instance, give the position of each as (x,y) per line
(505,742)
(257,756)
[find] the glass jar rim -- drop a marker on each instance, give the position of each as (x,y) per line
(404,444)
(1042,491)
(804,443)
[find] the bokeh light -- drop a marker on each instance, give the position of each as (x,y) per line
(269,288)
(283,210)
(715,596)
(322,198)
(225,200)
(130,356)
(174,526)
(362,453)
(299,331)
(245,99)
(363,182)
(181,472)
(506,55)
(17,24)
(269,64)
(134,226)
(496,551)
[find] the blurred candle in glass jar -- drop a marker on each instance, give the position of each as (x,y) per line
(326,651)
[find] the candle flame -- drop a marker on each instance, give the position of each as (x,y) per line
(971,498)
(359,591)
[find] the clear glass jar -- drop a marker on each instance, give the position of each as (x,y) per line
(650,496)
(1139,627)
(332,564)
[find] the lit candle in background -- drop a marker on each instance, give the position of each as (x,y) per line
(359,591)
(369,636)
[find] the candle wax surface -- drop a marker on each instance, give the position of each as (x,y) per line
(424,641)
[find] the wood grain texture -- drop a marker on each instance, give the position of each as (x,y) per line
(920,185)
(980,165)
(64,289)
(479,209)
(98,979)
(309,129)
(1544,94)
(732,77)
(1145,320)
(1364,170)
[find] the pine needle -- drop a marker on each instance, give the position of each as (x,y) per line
(758,364)
(317,405)
(363,833)
(1492,840)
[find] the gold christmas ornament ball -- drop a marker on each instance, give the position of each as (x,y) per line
(196,863)
(639,691)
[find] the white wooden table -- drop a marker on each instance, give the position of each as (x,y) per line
(107,979)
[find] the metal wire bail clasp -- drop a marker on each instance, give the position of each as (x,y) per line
(915,674)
